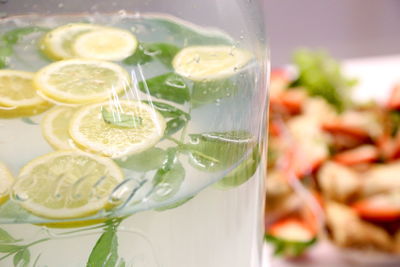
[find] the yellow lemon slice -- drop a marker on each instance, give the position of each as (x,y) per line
(18,97)
(66,184)
(55,125)
(210,62)
(56,44)
(105,44)
(6,181)
(81,81)
(92,131)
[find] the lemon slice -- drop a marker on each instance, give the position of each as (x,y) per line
(81,81)
(66,184)
(18,97)
(6,181)
(90,130)
(56,44)
(105,44)
(55,125)
(210,62)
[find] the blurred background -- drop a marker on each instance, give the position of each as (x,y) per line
(347,29)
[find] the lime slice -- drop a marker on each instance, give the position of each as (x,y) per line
(105,44)
(18,97)
(55,125)
(66,184)
(92,132)
(210,62)
(56,44)
(81,81)
(6,181)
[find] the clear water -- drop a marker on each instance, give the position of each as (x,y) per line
(204,221)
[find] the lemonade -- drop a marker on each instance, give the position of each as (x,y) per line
(128,141)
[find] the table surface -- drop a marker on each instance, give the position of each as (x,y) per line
(376,76)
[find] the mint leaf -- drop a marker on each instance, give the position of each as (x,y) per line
(168,111)
(6,237)
(28,120)
(174,126)
(168,178)
(208,92)
(147,52)
(11,38)
(241,173)
(5,52)
(179,117)
(9,248)
(121,119)
(22,258)
(188,35)
(105,252)
(151,159)
(168,86)
(224,148)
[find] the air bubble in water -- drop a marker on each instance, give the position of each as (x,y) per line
(163,190)
(20,197)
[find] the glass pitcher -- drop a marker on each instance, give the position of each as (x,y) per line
(132,133)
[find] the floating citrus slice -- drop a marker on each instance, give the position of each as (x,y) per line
(6,181)
(55,125)
(210,62)
(56,44)
(66,184)
(81,81)
(105,44)
(117,130)
(18,97)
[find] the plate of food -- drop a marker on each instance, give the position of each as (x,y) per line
(333,183)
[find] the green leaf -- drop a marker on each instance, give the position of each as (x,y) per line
(174,125)
(151,159)
(189,35)
(168,111)
(168,178)
(22,258)
(175,204)
(105,252)
(6,237)
(241,173)
(121,119)
(9,248)
(5,52)
(321,76)
(168,86)
(12,37)
(218,151)
(147,52)
(208,92)
(28,120)
(179,117)
(289,248)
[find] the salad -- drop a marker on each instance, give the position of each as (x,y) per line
(334,165)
